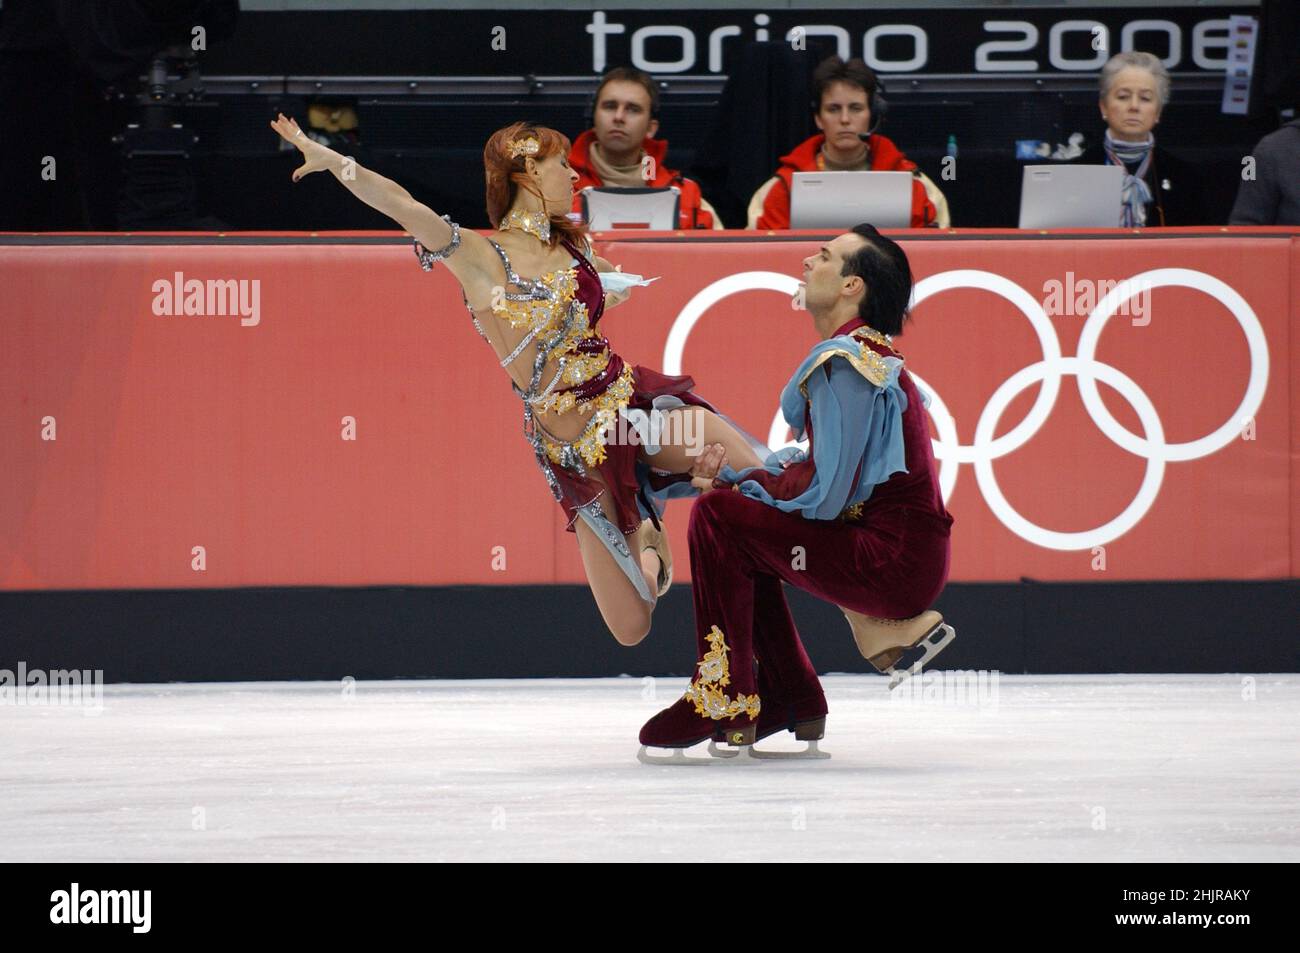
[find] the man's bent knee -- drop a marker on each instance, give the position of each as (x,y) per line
(717,509)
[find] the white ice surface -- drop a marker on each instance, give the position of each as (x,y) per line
(1184,768)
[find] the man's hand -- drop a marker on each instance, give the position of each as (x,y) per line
(317,156)
(707,465)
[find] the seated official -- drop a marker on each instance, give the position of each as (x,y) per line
(847,104)
(614,151)
(1159,188)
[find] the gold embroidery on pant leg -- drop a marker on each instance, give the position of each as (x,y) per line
(714,674)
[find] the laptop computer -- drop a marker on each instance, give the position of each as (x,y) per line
(844,199)
(607,208)
(1071,196)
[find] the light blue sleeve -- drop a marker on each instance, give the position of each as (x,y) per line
(857,432)
(839,406)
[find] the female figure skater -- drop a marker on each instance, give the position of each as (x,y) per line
(535,295)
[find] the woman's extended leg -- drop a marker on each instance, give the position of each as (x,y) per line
(686,431)
(625,613)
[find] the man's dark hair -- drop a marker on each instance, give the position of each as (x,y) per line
(628,74)
(834,70)
(882,264)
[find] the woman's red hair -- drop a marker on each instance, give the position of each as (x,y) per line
(505,176)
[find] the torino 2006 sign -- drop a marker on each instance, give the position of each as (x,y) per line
(916,41)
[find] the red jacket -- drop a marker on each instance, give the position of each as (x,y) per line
(691,215)
(885,157)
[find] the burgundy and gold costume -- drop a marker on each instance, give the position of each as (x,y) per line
(561,311)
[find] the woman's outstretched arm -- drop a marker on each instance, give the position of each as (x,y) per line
(472,264)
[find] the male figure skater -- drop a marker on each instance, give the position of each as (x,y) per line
(858,521)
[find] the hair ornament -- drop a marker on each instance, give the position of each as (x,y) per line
(523,147)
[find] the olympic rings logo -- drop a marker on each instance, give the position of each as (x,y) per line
(1084,367)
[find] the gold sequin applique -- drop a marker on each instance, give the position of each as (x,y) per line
(578,369)
(714,675)
(871,334)
(542,313)
(866,362)
(591,445)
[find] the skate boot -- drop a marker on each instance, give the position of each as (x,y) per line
(806,719)
(883,642)
(707,712)
(657,539)
(680,726)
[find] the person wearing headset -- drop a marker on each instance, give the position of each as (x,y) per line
(620,151)
(848,107)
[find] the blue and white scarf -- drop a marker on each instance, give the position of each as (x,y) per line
(1137,194)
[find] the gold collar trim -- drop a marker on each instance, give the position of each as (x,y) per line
(534,223)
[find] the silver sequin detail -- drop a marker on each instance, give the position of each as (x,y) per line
(595,517)
(428,258)
(541,398)
(613,538)
(519,348)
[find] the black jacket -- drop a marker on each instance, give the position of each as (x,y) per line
(1174,184)
(1272,197)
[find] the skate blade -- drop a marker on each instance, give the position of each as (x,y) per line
(750,753)
(680,758)
(934,643)
(810,752)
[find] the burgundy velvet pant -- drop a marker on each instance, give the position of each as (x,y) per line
(892,565)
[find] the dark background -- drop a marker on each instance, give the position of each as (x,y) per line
(539,631)
(70,83)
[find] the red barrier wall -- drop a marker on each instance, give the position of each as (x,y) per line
(179,431)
